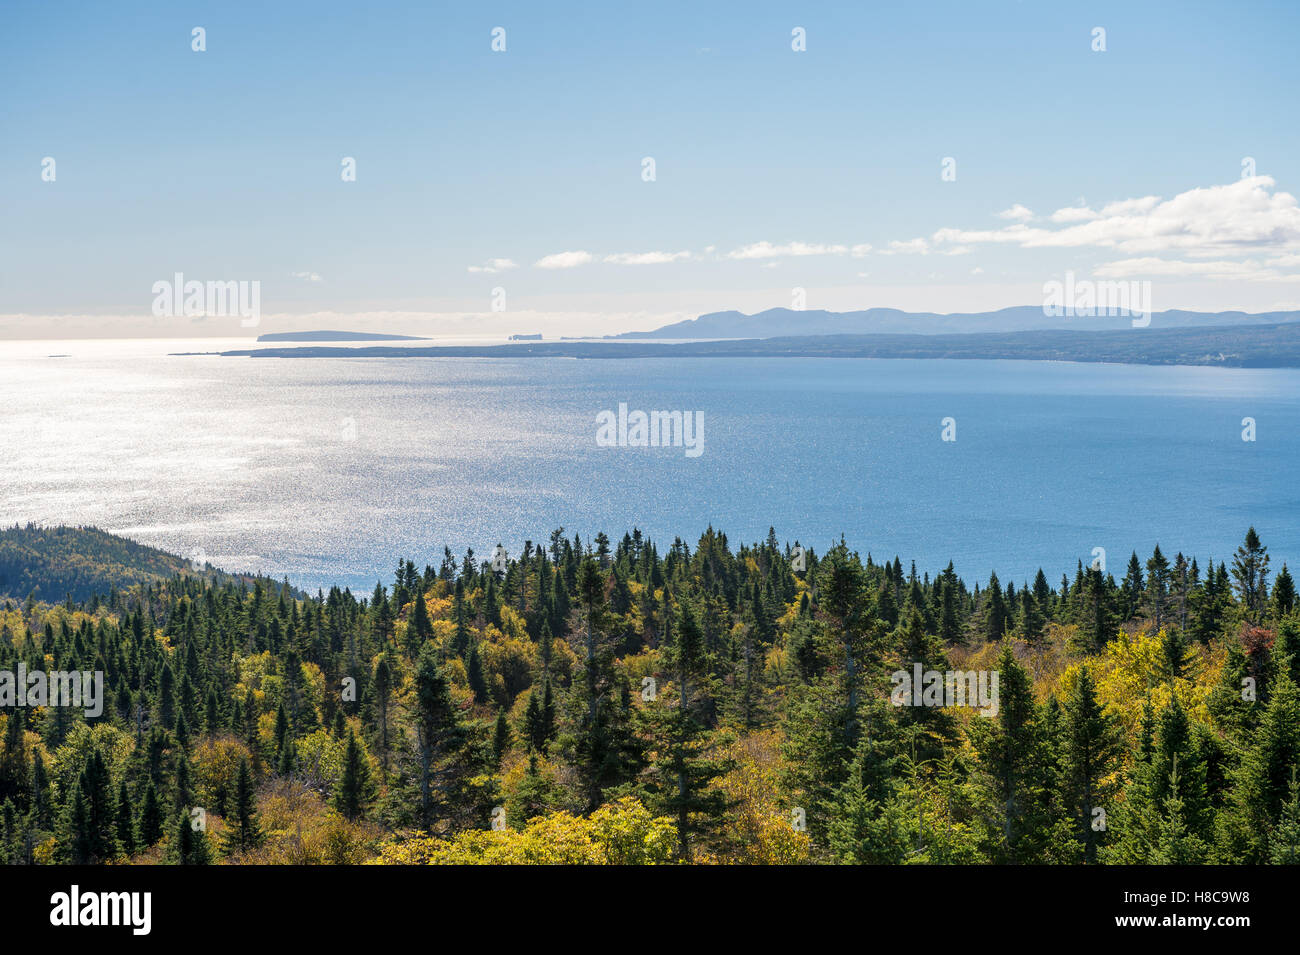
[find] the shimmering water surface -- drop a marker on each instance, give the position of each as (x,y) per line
(328,470)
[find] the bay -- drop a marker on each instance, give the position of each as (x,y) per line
(328,470)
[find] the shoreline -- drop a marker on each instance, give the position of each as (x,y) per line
(1261,346)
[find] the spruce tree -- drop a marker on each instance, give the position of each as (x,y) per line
(1032,622)
(867,823)
(1091,750)
(151,817)
(447,761)
(243,831)
(1284,843)
(189,845)
(1250,572)
(688,763)
(501,737)
(421,627)
(1263,781)
(1178,844)
(1157,588)
(1284,594)
(934,726)
(1131,589)
(92,816)
(533,733)
(15,763)
(1013,751)
(356,789)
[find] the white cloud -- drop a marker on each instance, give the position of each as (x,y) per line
(910,247)
(1237,218)
(1286,261)
(1220,270)
(1073,214)
(766,250)
(1128,207)
(1017,213)
(305,276)
(492,266)
(564,260)
(646,258)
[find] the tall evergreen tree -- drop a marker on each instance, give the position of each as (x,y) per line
(1250,572)
(1013,751)
(151,817)
(189,843)
(356,789)
(1090,753)
(687,763)
(243,831)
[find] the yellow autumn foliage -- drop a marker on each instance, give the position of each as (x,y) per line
(1133,670)
(300,829)
(618,833)
(758,829)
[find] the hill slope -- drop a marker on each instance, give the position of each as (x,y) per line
(51,563)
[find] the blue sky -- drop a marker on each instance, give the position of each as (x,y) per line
(775,169)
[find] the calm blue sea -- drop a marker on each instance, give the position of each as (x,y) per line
(328,470)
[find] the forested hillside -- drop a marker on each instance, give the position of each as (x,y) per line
(57,563)
(608,702)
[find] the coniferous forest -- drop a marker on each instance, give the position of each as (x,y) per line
(613,701)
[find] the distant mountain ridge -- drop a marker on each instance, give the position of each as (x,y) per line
(787,322)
